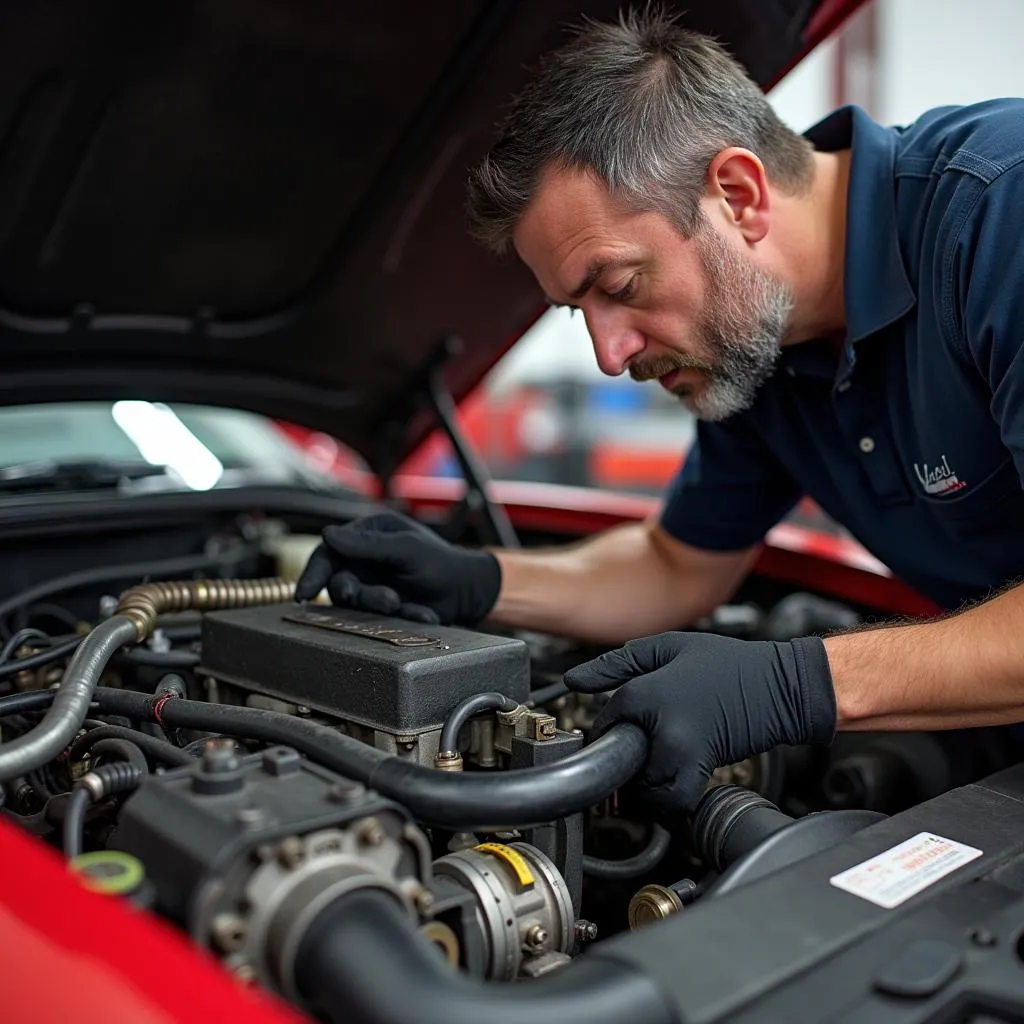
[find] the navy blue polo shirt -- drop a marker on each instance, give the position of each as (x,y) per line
(913,436)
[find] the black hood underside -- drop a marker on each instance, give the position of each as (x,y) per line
(259,203)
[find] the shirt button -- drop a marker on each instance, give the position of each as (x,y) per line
(867,445)
(845,386)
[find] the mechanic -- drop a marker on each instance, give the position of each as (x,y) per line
(843,311)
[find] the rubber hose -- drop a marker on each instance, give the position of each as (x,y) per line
(464,711)
(74,820)
(71,702)
(361,962)
(632,867)
(126,750)
(21,637)
(158,750)
(19,703)
(549,692)
(472,801)
(160,659)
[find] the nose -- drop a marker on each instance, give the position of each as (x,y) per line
(615,342)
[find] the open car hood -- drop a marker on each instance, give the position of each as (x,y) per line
(259,203)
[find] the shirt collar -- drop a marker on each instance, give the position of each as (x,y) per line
(876,290)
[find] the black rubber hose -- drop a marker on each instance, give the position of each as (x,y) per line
(549,692)
(71,701)
(361,962)
(474,801)
(126,750)
(74,820)
(160,659)
(632,867)
(51,654)
(464,711)
(158,750)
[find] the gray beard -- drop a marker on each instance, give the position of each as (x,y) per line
(747,318)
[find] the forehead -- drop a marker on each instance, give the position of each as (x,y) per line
(573,221)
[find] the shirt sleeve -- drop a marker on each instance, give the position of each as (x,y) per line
(986,300)
(730,491)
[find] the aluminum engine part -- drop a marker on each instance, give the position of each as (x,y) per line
(243,851)
(387,682)
(524,913)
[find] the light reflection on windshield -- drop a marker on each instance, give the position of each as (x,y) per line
(163,440)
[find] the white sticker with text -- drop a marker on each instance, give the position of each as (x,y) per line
(894,876)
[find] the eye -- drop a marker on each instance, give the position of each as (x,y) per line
(625,292)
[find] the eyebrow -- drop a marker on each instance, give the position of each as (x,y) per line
(594,271)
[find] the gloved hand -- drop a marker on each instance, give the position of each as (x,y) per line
(391,565)
(706,701)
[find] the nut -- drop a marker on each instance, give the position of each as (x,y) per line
(228,932)
(536,938)
(424,900)
(586,931)
(290,852)
(541,727)
(369,832)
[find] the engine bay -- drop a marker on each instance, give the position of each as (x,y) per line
(281,780)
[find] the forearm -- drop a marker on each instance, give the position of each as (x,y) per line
(962,671)
(624,583)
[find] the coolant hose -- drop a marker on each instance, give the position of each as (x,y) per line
(70,704)
(631,867)
(360,962)
(472,801)
(464,711)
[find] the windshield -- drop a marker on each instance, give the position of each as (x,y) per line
(146,446)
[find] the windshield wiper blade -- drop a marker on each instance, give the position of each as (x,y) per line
(75,475)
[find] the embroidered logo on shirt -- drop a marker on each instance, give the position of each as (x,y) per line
(938,479)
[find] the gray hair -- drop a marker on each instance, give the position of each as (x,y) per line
(644,105)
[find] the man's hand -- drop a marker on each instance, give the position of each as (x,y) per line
(707,701)
(391,565)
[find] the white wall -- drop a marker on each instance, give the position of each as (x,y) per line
(804,96)
(934,52)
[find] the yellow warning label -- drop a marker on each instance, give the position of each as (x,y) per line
(515,860)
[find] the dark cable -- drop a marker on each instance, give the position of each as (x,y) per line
(549,692)
(159,659)
(126,750)
(112,573)
(19,638)
(19,703)
(107,780)
(74,820)
(631,867)
(46,657)
(465,710)
(360,961)
(158,750)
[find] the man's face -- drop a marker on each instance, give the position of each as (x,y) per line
(695,314)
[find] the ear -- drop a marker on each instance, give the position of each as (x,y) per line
(738,185)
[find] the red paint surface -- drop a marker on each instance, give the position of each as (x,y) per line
(71,955)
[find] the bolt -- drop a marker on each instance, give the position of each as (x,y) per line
(301,709)
(369,832)
(228,932)
(982,937)
(586,931)
(108,605)
(249,816)
(219,756)
(290,851)
(424,900)
(536,938)
(345,792)
(245,973)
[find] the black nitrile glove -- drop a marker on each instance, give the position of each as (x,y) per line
(706,701)
(391,565)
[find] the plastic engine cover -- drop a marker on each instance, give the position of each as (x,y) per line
(389,674)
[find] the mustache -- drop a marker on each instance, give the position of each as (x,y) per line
(658,366)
